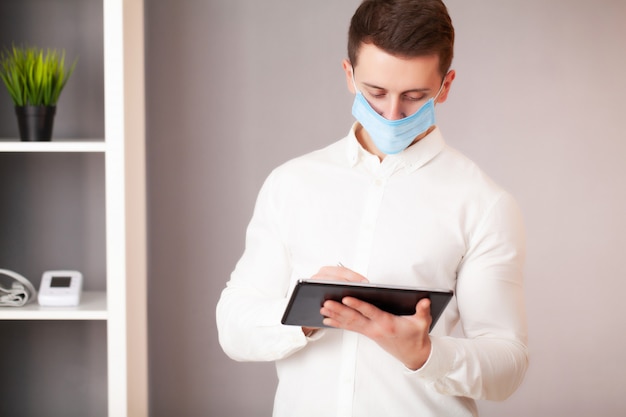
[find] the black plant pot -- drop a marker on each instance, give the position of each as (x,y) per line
(35,122)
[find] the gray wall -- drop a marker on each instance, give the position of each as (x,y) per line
(235,87)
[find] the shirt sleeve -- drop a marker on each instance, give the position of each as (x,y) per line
(490,363)
(249,310)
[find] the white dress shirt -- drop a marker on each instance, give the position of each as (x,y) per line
(427,217)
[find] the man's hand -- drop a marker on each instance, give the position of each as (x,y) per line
(334,273)
(338,273)
(405,337)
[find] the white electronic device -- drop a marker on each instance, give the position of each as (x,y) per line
(60,288)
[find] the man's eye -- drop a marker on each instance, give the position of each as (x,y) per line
(414,98)
(377,94)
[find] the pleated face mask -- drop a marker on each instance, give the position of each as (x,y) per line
(393,136)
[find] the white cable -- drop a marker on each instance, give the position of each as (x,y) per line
(20,293)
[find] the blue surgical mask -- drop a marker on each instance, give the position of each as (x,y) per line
(393,136)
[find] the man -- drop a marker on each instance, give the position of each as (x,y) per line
(395,205)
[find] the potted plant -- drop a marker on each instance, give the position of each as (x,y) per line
(34,80)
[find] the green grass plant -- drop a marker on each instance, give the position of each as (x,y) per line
(32,77)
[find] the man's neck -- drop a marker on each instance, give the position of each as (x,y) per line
(368,144)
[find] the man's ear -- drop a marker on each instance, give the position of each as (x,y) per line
(447,82)
(347,68)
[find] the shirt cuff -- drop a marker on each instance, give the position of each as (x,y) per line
(316,335)
(440,362)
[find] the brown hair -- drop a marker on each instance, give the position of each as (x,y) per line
(405,28)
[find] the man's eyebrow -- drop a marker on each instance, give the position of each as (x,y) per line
(414,90)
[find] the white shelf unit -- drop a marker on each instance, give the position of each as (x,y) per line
(8,145)
(93,306)
(122,306)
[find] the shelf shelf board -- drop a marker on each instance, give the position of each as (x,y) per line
(93,306)
(12,145)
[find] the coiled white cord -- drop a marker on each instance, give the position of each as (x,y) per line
(20,293)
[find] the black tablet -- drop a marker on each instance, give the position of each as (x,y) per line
(309,295)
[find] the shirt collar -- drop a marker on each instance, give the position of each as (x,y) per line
(354,150)
(411,159)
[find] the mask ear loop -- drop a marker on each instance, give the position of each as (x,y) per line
(443,82)
(356,90)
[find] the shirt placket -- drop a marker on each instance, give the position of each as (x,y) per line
(363,250)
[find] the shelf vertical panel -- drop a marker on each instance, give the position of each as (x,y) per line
(136,236)
(125,208)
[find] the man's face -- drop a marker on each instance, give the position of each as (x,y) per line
(396,87)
